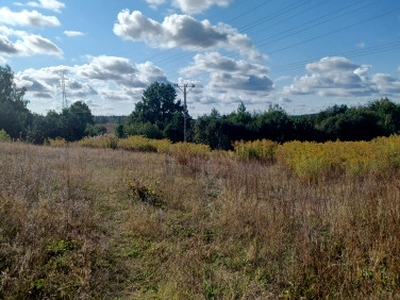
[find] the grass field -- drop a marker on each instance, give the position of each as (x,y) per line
(81,222)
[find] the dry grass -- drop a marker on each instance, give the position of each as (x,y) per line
(100,223)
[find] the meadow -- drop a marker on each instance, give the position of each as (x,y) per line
(141,219)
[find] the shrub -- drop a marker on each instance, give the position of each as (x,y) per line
(4,137)
(103,141)
(57,142)
(148,192)
(185,151)
(260,149)
(313,161)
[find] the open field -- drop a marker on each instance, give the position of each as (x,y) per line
(81,222)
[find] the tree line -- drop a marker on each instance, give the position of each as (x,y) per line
(159,114)
(19,122)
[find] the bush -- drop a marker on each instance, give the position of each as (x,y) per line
(185,151)
(107,141)
(260,149)
(57,142)
(313,161)
(143,144)
(4,137)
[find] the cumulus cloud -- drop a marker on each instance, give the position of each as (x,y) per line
(102,79)
(25,44)
(27,18)
(197,7)
(386,84)
(185,32)
(191,6)
(48,4)
(6,46)
(227,73)
(35,44)
(230,81)
(338,76)
(155,3)
(215,62)
(70,33)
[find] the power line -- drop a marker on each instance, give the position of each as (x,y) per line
(275,15)
(185,91)
(314,20)
(256,46)
(334,31)
(348,54)
(320,36)
(280,12)
(249,11)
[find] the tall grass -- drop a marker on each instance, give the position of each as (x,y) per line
(78,222)
(258,150)
(315,161)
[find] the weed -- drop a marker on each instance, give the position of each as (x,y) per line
(4,137)
(150,193)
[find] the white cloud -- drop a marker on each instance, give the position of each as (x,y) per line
(11,32)
(340,77)
(103,80)
(35,44)
(27,18)
(25,44)
(215,62)
(48,4)
(6,46)
(185,32)
(191,6)
(70,33)
(387,84)
(3,61)
(155,3)
(361,45)
(197,7)
(231,81)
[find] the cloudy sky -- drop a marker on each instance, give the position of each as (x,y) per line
(304,55)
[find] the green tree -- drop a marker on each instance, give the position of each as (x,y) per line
(275,124)
(76,119)
(158,105)
(95,130)
(157,112)
(304,128)
(388,114)
(354,124)
(207,130)
(14,115)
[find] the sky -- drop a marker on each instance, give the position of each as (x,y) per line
(303,55)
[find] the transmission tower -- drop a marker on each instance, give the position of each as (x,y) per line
(64,91)
(14,95)
(185,89)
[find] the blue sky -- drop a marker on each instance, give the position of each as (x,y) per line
(304,55)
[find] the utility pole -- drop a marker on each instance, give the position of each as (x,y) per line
(64,91)
(184,89)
